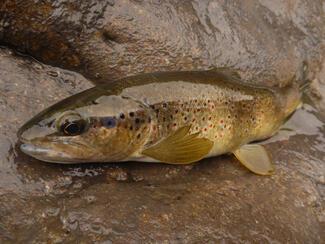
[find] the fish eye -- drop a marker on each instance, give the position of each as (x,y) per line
(72,125)
(109,122)
(73,128)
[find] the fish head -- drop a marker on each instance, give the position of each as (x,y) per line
(101,128)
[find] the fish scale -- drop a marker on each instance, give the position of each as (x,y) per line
(224,114)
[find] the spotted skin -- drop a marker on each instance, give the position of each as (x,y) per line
(136,113)
(227,115)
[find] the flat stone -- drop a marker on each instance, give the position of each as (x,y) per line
(211,201)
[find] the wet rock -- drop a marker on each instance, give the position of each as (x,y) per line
(105,40)
(215,200)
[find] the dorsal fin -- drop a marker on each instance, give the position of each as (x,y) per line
(228,72)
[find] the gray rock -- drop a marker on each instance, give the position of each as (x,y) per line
(211,201)
(215,200)
(105,40)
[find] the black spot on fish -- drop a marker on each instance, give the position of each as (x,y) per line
(131,114)
(138,136)
(164,105)
(131,127)
(122,116)
(137,121)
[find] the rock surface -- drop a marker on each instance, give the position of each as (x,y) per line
(105,40)
(211,201)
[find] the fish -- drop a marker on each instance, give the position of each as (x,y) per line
(176,117)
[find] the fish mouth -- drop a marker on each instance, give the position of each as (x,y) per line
(45,154)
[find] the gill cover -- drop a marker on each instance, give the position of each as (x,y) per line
(89,127)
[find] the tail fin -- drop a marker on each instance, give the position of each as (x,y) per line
(304,87)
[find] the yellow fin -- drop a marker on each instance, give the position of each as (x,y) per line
(255,158)
(180,148)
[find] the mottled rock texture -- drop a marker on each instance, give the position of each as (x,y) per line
(211,201)
(104,40)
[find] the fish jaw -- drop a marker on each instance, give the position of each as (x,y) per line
(46,154)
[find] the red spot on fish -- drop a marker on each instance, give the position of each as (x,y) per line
(193,120)
(210,126)
(221,121)
(174,124)
(210,118)
(205,129)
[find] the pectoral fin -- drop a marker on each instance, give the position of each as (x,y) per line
(255,158)
(180,148)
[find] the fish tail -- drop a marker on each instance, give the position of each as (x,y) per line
(305,86)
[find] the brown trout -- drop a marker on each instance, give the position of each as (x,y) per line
(168,117)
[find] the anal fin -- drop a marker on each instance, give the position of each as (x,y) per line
(255,158)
